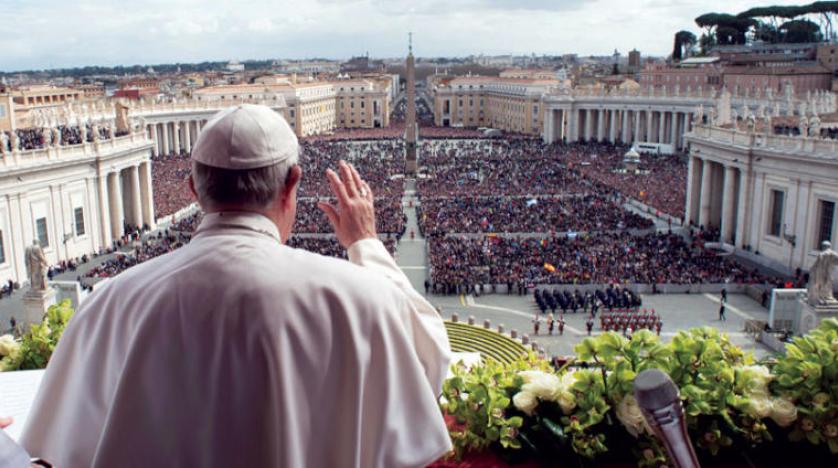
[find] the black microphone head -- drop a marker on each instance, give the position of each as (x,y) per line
(654,389)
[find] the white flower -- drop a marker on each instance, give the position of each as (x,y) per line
(541,384)
(8,345)
(567,402)
(759,407)
(783,412)
(753,380)
(628,412)
(525,401)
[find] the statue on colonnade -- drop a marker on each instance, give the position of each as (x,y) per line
(820,276)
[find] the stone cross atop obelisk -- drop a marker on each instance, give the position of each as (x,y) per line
(410,121)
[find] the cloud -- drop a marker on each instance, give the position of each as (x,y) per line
(261,25)
(57,33)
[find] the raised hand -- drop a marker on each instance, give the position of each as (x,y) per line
(353,218)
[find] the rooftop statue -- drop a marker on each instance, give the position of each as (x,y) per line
(820,276)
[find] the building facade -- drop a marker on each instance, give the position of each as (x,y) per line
(772,197)
(74,200)
(510,104)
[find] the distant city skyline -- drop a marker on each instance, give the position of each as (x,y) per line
(47,34)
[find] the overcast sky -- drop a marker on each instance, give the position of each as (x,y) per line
(59,33)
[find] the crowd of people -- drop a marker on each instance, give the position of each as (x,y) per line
(170,175)
(610,298)
(26,139)
(584,213)
(661,183)
(460,262)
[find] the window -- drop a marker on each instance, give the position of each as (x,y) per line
(775,228)
(78,215)
(2,249)
(41,232)
(826,219)
(362,104)
(2,110)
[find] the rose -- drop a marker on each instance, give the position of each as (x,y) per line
(830,431)
(820,399)
(566,401)
(8,345)
(628,412)
(542,384)
(753,380)
(760,407)
(525,401)
(783,412)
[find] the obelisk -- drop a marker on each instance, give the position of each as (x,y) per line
(410,121)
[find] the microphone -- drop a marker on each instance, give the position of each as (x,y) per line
(660,403)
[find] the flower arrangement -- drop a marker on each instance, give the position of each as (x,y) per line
(34,348)
(734,406)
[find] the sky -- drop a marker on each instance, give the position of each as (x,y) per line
(38,34)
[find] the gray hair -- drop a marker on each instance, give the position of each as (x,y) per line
(255,188)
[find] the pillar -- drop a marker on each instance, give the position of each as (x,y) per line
(636,116)
(661,126)
(176,135)
(612,130)
(626,125)
(115,203)
(152,130)
(706,192)
(729,196)
(673,130)
(136,203)
(187,137)
(600,128)
(147,195)
(742,211)
(104,211)
(165,128)
(589,124)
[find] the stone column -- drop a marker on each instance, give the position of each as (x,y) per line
(115,198)
(104,211)
(152,130)
(661,126)
(589,124)
(136,202)
(625,123)
(147,194)
(673,130)
(612,130)
(706,193)
(729,195)
(187,137)
(600,127)
(165,128)
(176,135)
(636,136)
(647,130)
(742,212)
(547,130)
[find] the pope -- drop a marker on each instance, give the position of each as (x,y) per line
(237,350)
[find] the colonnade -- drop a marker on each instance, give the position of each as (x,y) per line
(174,137)
(125,198)
(715,197)
(624,125)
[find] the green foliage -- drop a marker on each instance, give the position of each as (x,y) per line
(480,402)
(684,40)
(729,399)
(808,376)
(35,347)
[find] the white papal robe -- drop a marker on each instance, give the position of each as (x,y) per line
(236,350)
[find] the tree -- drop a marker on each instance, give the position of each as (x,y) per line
(728,29)
(826,12)
(684,41)
(800,31)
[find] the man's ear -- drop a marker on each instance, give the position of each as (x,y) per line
(292,181)
(192,187)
